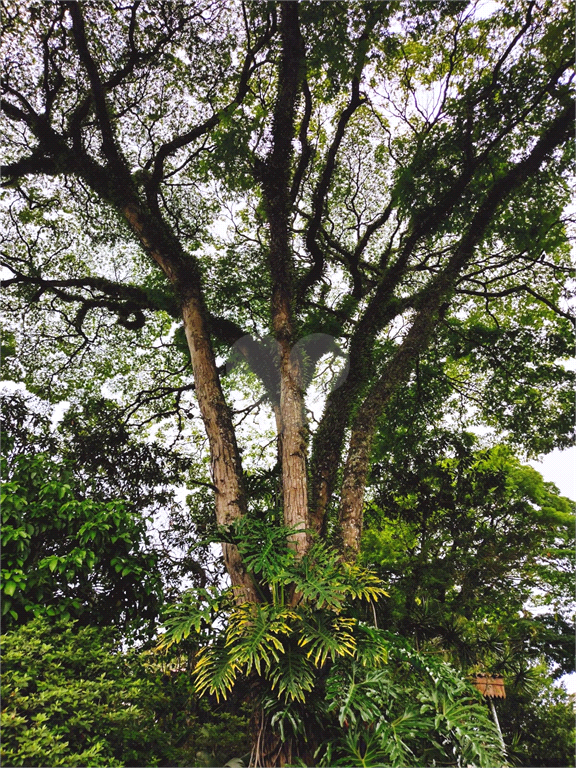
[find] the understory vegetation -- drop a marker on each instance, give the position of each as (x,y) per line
(370,666)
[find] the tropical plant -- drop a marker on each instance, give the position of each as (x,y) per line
(313,668)
(477,551)
(282,639)
(537,719)
(417,711)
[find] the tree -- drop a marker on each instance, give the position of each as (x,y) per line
(395,175)
(466,539)
(326,687)
(419,208)
(74,536)
(539,718)
(476,552)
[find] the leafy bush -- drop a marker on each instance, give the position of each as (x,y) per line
(67,556)
(75,505)
(72,697)
(417,711)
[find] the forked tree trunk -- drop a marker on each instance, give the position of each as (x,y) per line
(430,306)
(293,445)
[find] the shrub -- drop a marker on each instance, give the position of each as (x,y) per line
(71,696)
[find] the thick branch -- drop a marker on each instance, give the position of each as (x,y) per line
(320,193)
(431,303)
(330,435)
(98,92)
(195,133)
(306,152)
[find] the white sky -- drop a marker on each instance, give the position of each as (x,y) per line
(559,467)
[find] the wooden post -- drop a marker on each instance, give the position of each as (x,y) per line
(492,687)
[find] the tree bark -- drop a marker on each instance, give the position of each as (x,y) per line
(226,466)
(276,191)
(225,457)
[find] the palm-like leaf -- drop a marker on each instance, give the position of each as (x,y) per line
(216,671)
(253,634)
(361,749)
(196,613)
(317,578)
(361,584)
(326,634)
(264,547)
(293,676)
(371,646)
(178,628)
(356,695)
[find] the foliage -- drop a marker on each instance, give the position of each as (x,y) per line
(93,439)
(71,696)
(73,544)
(65,556)
(537,719)
(318,669)
(418,151)
(467,537)
(283,641)
(178,176)
(416,711)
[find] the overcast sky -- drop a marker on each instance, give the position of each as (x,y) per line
(559,467)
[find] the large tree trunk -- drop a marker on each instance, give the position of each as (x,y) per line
(276,190)
(226,464)
(225,457)
(428,308)
(270,750)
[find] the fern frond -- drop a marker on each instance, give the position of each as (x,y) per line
(362,584)
(292,676)
(371,646)
(254,631)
